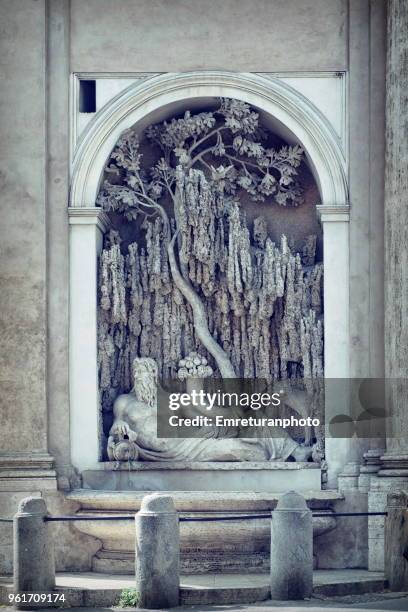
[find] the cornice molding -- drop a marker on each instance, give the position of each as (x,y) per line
(89,216)
(333,214)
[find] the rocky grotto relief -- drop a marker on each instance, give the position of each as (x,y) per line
(212,268)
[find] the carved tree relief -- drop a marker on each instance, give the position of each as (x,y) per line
(187,272)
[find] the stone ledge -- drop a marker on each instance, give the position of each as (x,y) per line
(27,483)
(202,476)
(214,466)
(27,472)
(27,461)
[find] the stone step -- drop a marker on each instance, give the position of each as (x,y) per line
(94,590)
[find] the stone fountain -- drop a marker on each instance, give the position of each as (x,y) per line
(192,285)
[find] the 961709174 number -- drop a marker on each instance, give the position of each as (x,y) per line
(16,598)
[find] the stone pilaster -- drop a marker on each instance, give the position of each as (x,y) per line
(335,225)
(370,467)
(393,473)
(25,462)
(396,239)
(87,226)
(58,238)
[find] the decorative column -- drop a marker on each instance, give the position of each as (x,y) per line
(87,226)
(335,222)
(393,473)
(370,467)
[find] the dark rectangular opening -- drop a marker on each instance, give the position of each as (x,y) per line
(87,96)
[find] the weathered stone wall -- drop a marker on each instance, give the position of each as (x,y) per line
(23,221)
(393,474)
(260,36)
(57,226)
(396,225)
(366,120)
(23,269)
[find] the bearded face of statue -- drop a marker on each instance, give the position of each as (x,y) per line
(145,380)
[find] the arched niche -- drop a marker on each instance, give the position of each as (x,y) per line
(291,116)
(295,222)
(288,108)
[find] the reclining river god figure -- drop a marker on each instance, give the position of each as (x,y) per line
(133,435)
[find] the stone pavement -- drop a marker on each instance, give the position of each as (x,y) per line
(102,586)
(93,590)
(397,603)
(375,603)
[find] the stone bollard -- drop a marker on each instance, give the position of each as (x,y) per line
(291,549)
(34,569)
(157,553)
(396,541)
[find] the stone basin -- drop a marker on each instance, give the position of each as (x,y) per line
(216,546)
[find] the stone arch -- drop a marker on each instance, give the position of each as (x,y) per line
(292,111)
(271,95)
